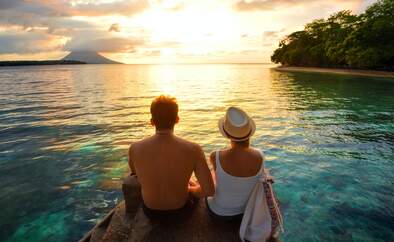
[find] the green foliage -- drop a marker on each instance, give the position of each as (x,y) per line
(343,40)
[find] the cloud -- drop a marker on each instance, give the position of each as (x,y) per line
(29,42)
(59,13)
(166,44)
(109,45)
(6,4)
(249,52)
(178,7)
(267,5)
(34,41)
(270,33)
(152,53)
(272,37)
(125,7)
(31,26)
(173,5)
(114,27)
(30,16)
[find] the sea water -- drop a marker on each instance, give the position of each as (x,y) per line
(65,131)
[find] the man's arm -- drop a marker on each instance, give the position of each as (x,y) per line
(212,159)
(205,187)
(131,165)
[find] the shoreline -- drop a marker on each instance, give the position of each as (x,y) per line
(354,72)
(40,63)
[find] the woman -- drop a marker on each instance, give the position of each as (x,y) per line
(237,168)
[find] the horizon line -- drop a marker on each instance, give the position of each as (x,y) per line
(199,63)
(174,63)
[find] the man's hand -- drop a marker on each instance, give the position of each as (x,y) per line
(195,189)
(193,183)
(131,163)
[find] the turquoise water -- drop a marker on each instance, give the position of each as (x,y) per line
(65,130)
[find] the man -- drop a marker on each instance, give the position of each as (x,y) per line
(165,162)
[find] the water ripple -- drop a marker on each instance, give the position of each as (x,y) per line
(65,131)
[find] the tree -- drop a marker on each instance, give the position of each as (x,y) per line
(343,40)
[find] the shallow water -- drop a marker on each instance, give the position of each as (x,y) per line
(65,130)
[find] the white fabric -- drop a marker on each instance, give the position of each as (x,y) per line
(232,193)
(256,221)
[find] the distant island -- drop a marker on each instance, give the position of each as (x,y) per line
(45,62)
(344,40)
(90,57)
(74,58)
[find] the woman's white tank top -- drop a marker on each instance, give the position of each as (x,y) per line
(232,193)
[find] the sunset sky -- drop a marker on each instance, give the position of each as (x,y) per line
(157,31)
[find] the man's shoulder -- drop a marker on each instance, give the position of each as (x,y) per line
(188,144)
(139,143)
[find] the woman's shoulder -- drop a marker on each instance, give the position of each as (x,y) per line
(212,156)
(258,157)
(258,153)
(220,151)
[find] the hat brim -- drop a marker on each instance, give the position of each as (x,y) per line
(226,135)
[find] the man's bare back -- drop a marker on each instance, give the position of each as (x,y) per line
(164,164)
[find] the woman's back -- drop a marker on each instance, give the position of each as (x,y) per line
(237,170)
(240,162)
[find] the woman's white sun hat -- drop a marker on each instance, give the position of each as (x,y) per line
(236,125)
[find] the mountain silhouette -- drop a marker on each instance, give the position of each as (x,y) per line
(89,57)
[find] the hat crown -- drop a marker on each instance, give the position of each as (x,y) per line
(236,117)
(236,124)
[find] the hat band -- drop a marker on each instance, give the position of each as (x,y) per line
(233,137)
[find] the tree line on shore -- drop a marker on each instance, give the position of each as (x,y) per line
(37,63)
(345,40)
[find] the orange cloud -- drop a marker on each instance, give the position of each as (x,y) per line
(114,27)
(90,8)
(29,42)
(267,5)
(108,45)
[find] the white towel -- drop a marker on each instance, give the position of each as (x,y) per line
(256,225)
(256,221)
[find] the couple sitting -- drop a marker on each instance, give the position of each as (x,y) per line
(164,164)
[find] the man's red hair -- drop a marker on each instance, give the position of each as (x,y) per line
(164,110)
